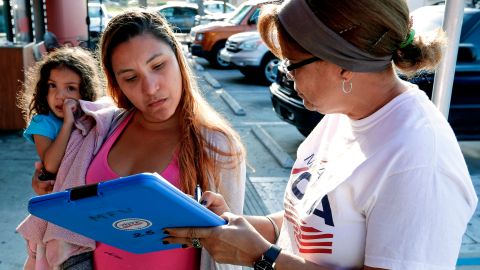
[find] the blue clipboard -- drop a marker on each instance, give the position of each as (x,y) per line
(129,213)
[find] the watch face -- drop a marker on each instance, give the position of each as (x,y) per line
(262,265)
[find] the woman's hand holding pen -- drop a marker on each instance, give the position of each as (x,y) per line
(215,202)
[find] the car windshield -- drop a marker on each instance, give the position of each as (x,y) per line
(239,14)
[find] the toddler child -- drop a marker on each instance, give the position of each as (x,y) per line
(50,102)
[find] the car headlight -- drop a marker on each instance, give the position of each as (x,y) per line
(249,45)
(199,36)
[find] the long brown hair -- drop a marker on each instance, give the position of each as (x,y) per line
(33,99)
(376,27)
(199,159)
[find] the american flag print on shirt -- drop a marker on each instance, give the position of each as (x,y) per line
(308,238)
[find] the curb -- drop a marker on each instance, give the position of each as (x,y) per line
(232,103)
(194,64)
(212,81)
(254,204)
(281,156)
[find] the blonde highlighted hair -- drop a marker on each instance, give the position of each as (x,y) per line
(199,159)
(376,27)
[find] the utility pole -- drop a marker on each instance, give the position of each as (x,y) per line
(201,11)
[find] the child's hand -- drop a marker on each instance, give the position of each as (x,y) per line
(41,187)
(70,106)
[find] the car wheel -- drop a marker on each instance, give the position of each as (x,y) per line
(215,59)
(269,68)
(248,71)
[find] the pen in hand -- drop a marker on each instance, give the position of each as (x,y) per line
(198,193)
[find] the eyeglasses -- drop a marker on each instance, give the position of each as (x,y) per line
(288,68)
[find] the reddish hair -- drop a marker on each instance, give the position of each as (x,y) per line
(199,159)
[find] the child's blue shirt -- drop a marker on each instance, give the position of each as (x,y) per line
(45,125)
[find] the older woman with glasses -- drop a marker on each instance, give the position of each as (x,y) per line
(381,182)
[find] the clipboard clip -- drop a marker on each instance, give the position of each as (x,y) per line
(83,192)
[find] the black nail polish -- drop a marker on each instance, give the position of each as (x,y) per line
(166,232)
(184,245)
(203,202)
(165,242)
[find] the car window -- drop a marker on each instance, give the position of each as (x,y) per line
(211,7)
(218,8)
(167,12)
(253,19)
(186,12)
(471,29)
(229,8)
(238,16)
(2,22)
(473,36)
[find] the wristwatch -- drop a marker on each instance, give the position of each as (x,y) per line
(267,261)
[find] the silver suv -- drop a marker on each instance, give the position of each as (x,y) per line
(247,52)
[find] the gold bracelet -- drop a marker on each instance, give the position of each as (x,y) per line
(275,229)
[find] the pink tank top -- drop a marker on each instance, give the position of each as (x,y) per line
(108,257)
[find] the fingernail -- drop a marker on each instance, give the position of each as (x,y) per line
(165,242)
(166,232)
(184,245)
(203,202)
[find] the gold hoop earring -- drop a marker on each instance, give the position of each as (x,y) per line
(346,91)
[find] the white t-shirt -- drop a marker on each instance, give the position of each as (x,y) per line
(390,191)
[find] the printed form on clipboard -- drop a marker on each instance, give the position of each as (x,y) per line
(129,213)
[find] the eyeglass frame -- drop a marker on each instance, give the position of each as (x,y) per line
(289,68)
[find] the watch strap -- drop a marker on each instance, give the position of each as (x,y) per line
(272,253)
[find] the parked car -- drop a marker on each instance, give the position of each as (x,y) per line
(215,11)
(183,16)
(180,15)
(247,52)
(289,106)
(218,7)
(464,114)
(99,17)
(208,40)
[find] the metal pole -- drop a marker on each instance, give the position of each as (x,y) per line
(7,12)
(442,86)
(100,30)
(87,20)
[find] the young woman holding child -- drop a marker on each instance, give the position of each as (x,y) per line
(164,126)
